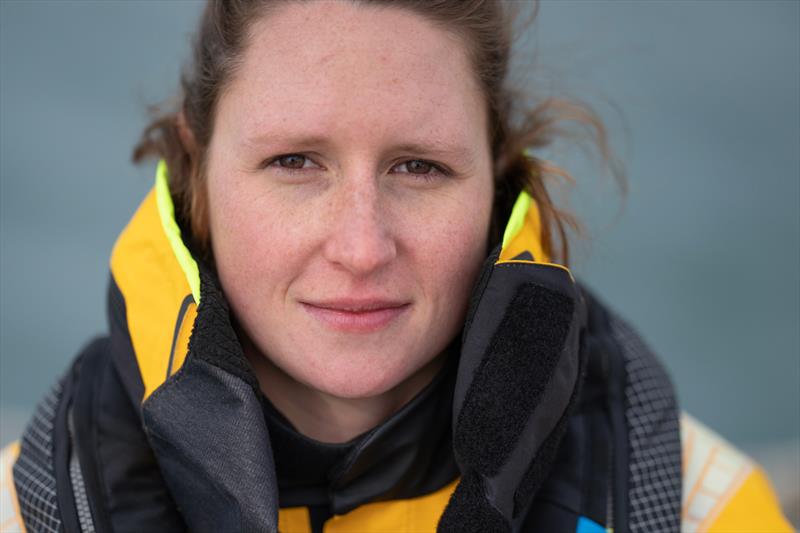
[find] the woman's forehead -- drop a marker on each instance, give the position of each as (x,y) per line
(318,31)
(339,64)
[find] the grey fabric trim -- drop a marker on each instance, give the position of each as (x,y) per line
(78,488)
(34,473)
(654,437)
(207,429)
(178,323)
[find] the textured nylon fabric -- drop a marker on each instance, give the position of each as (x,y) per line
(207,429)
(34,473)
(654,437)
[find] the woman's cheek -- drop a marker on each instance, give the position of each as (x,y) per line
(248,217)
(454,244)
(237,240)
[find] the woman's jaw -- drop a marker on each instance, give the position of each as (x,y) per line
(328,417)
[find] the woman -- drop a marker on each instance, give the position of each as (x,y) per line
(343,307)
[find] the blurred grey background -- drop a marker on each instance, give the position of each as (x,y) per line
(703,103)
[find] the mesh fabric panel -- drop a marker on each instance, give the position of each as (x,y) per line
(654,489)
(34,474)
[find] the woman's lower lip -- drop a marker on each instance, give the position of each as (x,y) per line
(356,321)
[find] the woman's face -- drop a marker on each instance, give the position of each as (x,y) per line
(350,190)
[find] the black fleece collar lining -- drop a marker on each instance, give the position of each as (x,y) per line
(375,465)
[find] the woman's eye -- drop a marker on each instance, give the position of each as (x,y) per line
(292,165)
(291,161)
(421,168)
(418,167)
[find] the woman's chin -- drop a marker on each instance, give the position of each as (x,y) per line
(355,382)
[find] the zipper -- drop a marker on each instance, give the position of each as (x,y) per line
(82,507)
(610,483)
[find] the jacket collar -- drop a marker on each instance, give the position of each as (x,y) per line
(197,391)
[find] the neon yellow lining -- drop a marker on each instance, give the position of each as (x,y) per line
(166,212)
(517,218)
(523,232)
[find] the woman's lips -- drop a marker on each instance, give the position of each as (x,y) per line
(356,316)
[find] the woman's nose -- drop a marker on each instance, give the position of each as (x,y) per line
(360,239)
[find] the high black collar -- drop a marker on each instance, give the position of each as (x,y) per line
(207,426)
(407,455)
(208,429)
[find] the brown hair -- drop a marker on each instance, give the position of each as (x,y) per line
(516,127)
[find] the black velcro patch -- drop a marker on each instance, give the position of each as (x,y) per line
(469,510)
(512,377)
(541,465)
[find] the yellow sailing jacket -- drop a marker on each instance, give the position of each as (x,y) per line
(158,427)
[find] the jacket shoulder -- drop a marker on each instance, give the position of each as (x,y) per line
(83,462)
(644,417)
(679,471)
(723,489)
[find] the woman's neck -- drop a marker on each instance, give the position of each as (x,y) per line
(327,418)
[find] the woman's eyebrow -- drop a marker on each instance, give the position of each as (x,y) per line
(436,149)
(300,141)
(433,148)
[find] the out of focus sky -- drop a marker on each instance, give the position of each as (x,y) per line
(703,104)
